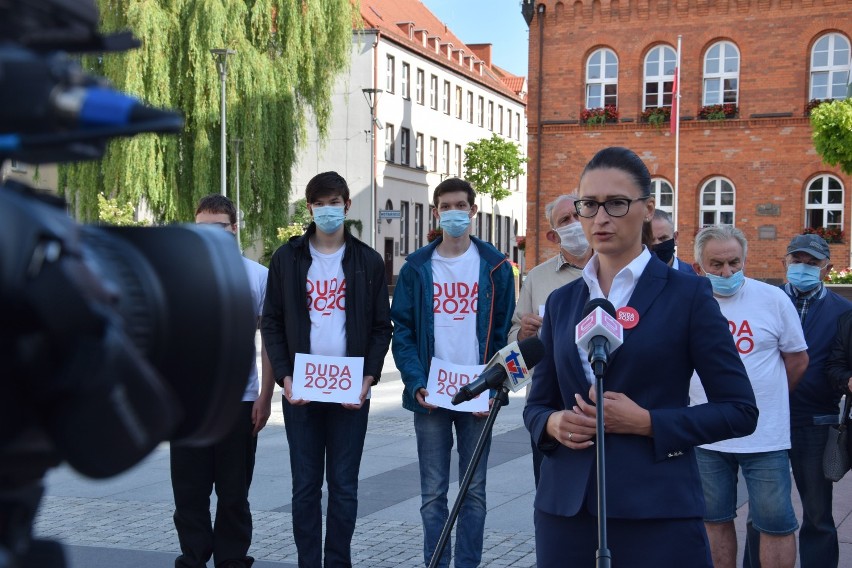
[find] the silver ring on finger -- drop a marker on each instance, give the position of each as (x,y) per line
(570,436)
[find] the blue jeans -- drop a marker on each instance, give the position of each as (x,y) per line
(321,434)
(434,446)
(767,476)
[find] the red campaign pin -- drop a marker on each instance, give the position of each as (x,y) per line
(628,317)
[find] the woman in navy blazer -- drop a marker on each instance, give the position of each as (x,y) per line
(654,497)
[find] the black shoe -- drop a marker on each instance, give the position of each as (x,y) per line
(237,563)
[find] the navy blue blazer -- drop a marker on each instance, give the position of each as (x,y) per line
(685,266)
(680,329)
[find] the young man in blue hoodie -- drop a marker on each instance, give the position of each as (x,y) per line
(453,300)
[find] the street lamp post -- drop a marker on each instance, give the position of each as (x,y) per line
(372,97)
(221,56)
(236,142)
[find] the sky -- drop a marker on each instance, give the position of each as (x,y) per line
(498,22)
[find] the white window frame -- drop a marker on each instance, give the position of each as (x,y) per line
(835,72)
(405,146)
(446,97)
(480,111)
(602,76)
(661,187)
(418,150)
(433,92)
(391,71)
(404,221)
(390,143)
(421,86)
(716,187)
(665,60)
(433,154)
(459,102)
(821,187)
(418,225)
(722,77)
(445,158)
(470,107)
(405,87)
(459,161)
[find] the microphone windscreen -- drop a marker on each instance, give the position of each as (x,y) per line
(532,350)
(601,303)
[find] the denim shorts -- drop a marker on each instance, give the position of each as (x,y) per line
(767,477)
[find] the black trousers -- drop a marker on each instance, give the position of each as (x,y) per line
(228,465)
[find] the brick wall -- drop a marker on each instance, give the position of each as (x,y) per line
(768,160)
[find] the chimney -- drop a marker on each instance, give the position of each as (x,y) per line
(483,51)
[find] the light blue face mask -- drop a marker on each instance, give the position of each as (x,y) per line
(455,222)
(329,218)
(727,286)
(803,276)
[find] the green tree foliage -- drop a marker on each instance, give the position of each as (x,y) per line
(288,54)
(832,127)
(490,164)
(114,213)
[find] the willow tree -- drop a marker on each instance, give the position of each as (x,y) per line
(288,54)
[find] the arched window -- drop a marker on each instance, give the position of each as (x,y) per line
(602,79)
(717,203)
(663,195)
(830,67)
(659,77)
(721,74)
(824,203)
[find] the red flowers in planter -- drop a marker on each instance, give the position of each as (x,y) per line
(718,112)
(833,235)
(599,115)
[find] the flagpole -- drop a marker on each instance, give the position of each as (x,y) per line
(676,118)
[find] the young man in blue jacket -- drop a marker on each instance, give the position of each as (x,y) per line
(453,300)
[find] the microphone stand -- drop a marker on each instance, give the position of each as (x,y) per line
(603,557)
(500,399)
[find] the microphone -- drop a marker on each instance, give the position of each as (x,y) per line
(599,332)
(510,366)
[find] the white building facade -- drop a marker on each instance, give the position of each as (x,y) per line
(432,96)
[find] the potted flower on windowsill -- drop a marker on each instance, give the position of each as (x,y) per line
(434,234)
(656,115)
(718,112)
(831,236)
(840,282)
(813,103)
(599,115)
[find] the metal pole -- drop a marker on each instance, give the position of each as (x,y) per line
(221,56)
(372,97)
(237,142)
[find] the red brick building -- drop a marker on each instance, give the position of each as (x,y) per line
(765,59)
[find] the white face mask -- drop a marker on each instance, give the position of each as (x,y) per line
(573,239)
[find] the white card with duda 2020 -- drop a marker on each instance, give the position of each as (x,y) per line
(328,379)
(445,380)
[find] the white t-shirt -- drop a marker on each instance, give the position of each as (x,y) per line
(455,293)
(764,324)
(257,274)
(326,288)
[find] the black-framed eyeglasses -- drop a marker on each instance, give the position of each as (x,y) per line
(217,223)
(617,207)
